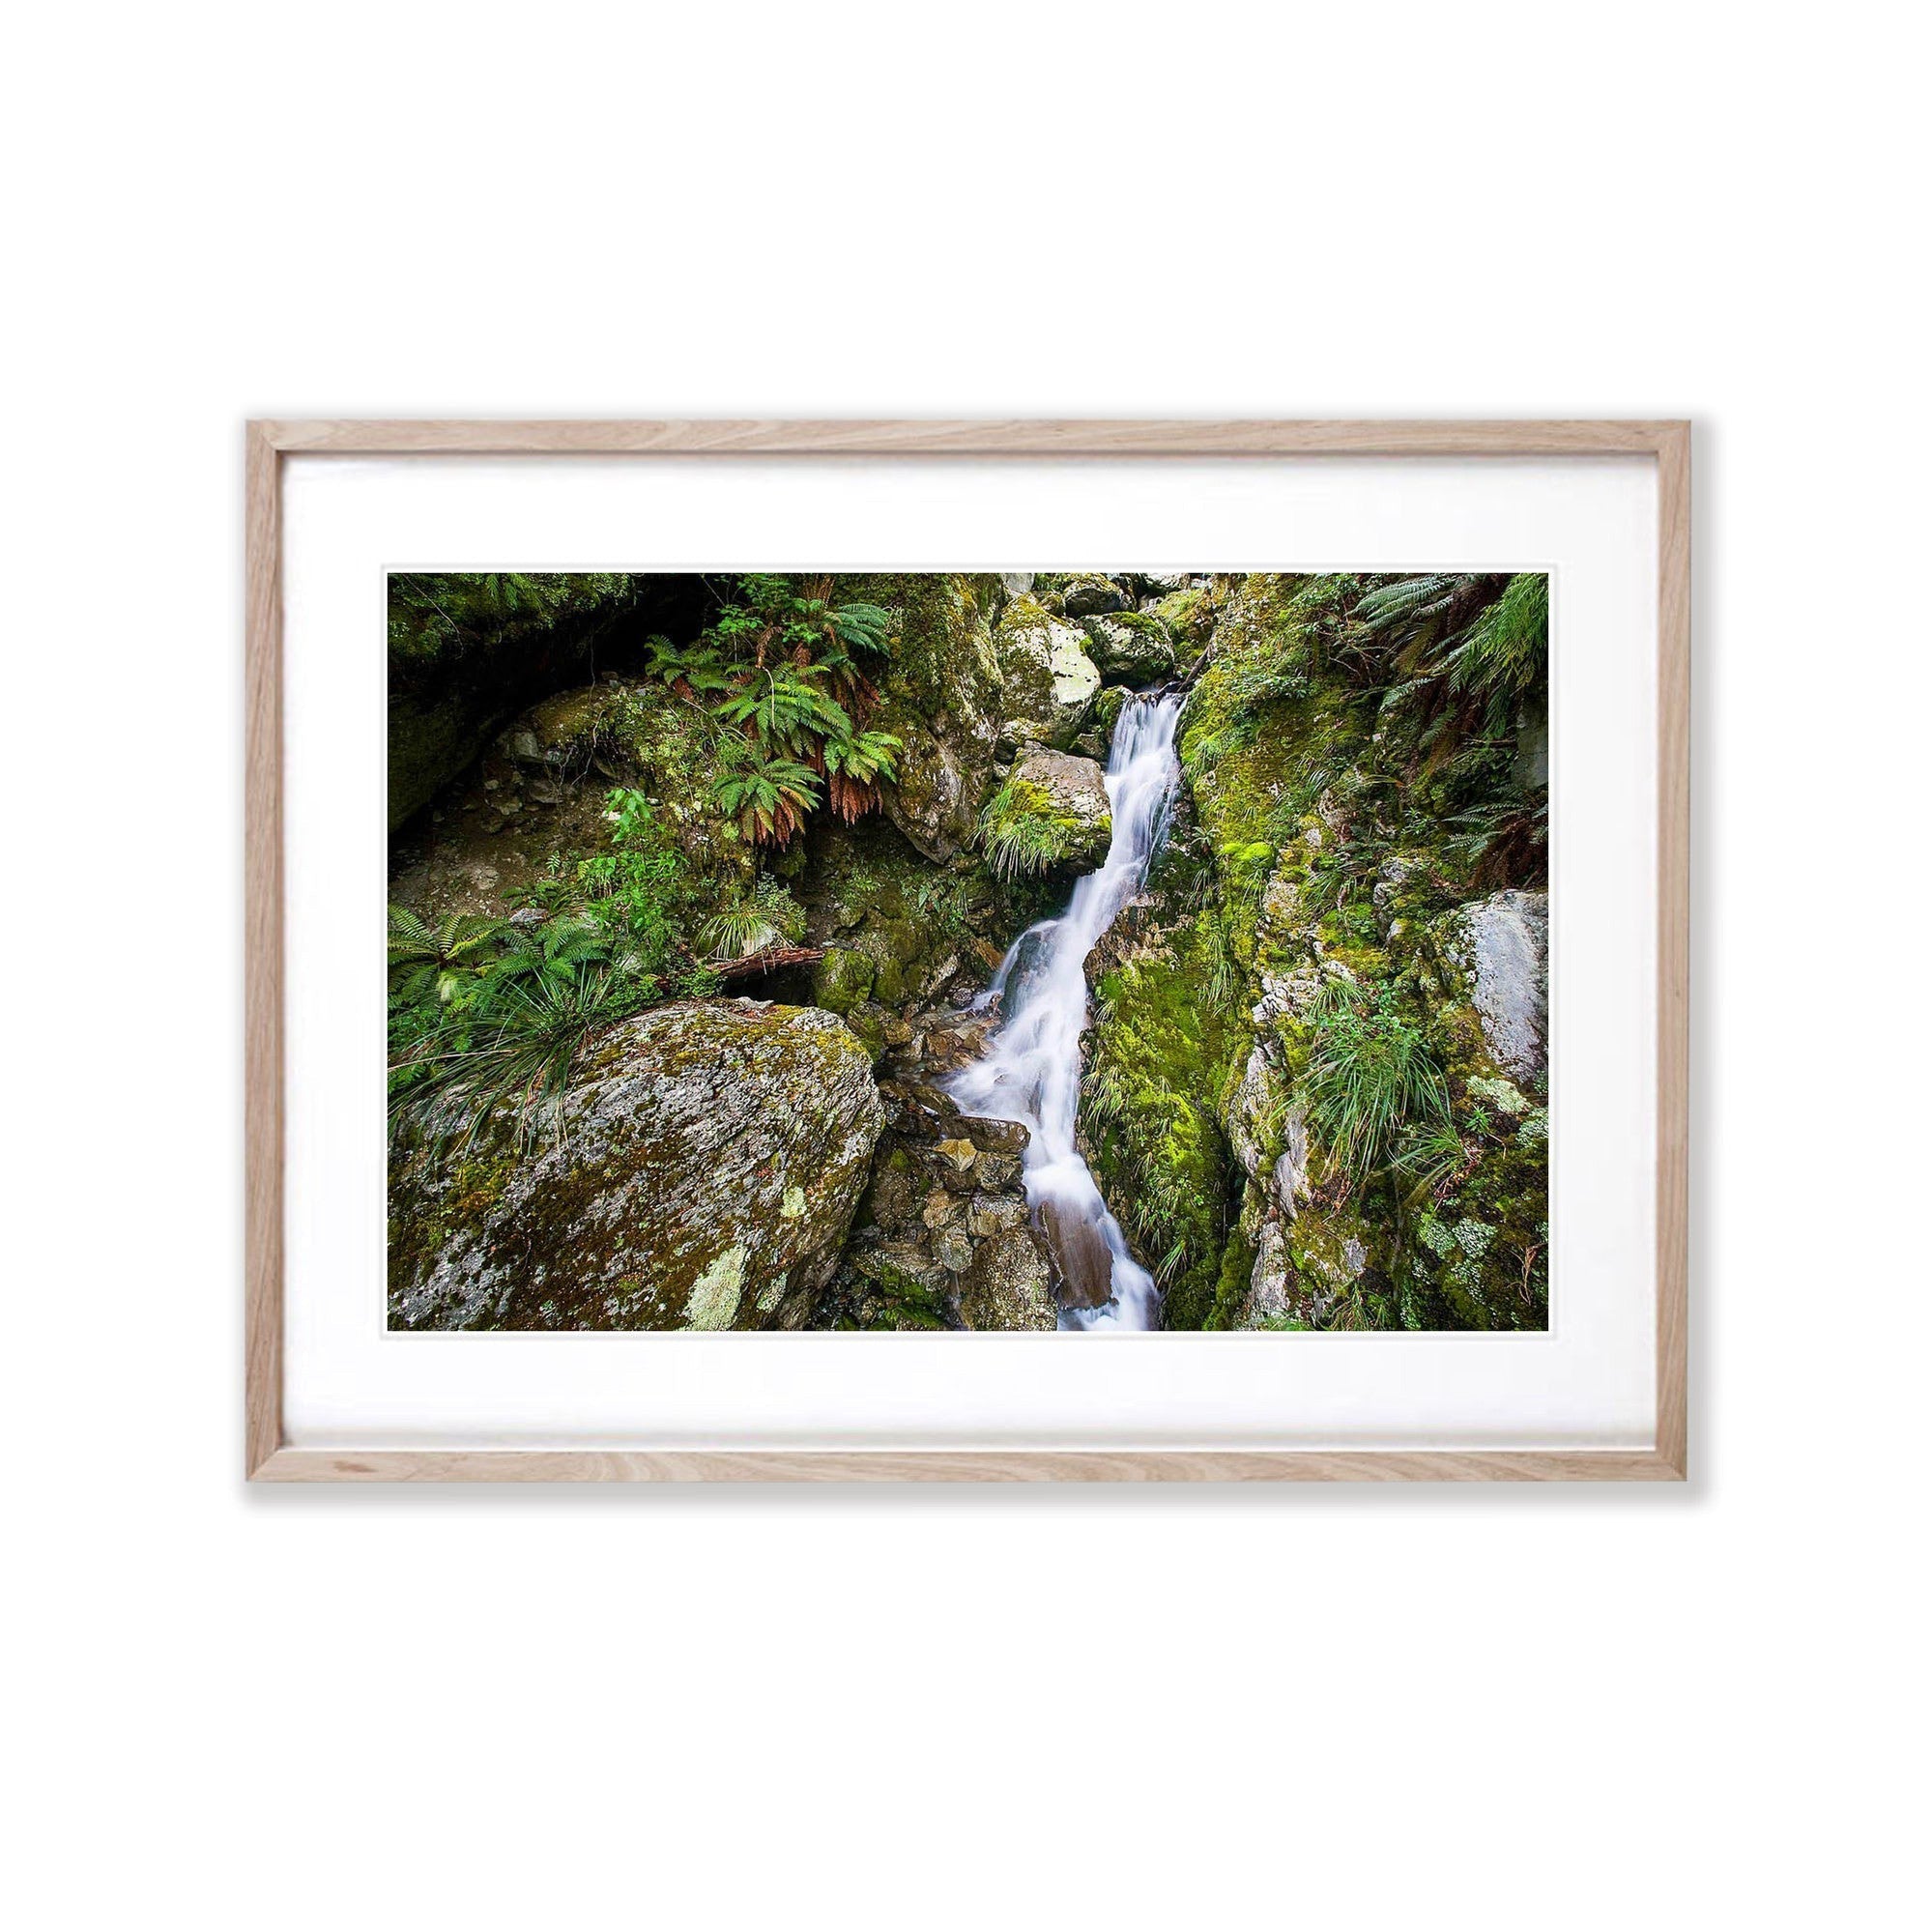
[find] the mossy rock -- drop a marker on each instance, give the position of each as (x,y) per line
(1049,682)
(1085,594)
(843,978)
(701,1174)
(940,696)
(1051,815)
(1131,647)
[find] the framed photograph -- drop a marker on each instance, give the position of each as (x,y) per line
(968,951)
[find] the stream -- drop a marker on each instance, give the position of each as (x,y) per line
(1031,1069)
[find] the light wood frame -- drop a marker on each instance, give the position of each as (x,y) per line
(269,1459)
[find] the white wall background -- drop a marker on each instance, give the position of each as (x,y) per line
(1337,1708)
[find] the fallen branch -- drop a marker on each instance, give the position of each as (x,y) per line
(770,960)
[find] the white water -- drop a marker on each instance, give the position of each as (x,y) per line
(1031,1070)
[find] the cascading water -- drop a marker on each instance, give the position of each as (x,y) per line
(1031,1071)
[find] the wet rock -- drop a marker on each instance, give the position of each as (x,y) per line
(706,1164)
(947,1207)
(953,1249)
(992,1214)
(940,1208)
(1008,1285)
(1085,1263)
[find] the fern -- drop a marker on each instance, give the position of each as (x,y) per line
(787,709)
(437,961)
(768,796)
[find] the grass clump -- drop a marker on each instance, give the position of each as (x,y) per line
(1372,1079)
(1021,834)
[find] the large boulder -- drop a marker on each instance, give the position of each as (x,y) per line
(1502,945)
(1050,680)
(941,697)
(1130,647)
(1071,793)
(1085,594)
(703,1175)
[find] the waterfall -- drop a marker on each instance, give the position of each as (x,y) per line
(1031,1069)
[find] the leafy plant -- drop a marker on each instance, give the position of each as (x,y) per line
(437,961)
(1505,652)
(545,951)
(1019,831)
(687,672)
(769,796)
(457,1079)
(735,931)
(854,768)
(785,707)
(1371,1075)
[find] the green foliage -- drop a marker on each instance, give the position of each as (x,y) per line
(770,917)
(547,952)
(690,671)
(783,705)
(439,615)
(1021,833)
(1505,654)
(769,794)
(493,1014)
(865,759)
(1371,1075)
(438,963)
(784,664)
(516,1052)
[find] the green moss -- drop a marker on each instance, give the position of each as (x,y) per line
(898,1301)
(1158,1062)
(1025,832)
(843,978)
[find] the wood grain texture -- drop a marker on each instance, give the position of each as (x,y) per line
(1018,1466)
(1673,946)
(263,993)
(268,1460)
(941,438)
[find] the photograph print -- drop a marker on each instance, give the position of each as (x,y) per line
(1063,950)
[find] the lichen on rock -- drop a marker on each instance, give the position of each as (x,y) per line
(941,699)
(1050,681)
(703,1174)
(1132,647)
